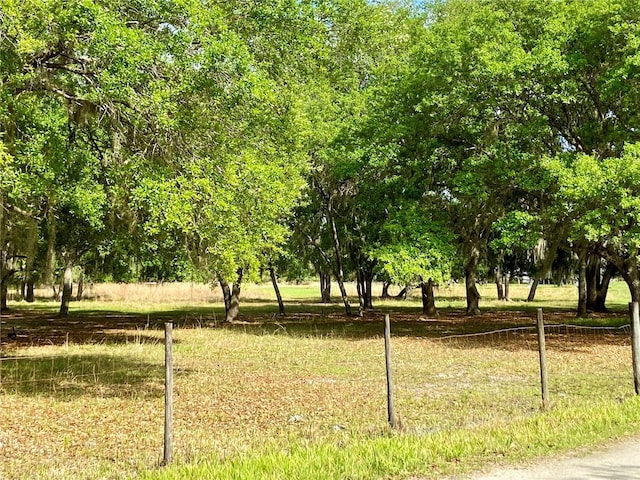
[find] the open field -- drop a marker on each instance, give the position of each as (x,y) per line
(302,396)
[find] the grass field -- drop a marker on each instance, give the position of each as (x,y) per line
(302,396)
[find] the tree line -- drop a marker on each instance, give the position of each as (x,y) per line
(352,140)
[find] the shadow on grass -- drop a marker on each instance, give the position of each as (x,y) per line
(38,327)
(79,375)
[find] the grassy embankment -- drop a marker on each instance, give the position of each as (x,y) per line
(302,397)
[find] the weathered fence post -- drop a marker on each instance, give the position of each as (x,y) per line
(168,393)
(634,317)
(542,349)
(387,356)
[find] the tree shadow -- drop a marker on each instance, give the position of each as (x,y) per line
(72,376)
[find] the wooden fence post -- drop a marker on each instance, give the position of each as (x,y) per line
(168,393)
(387,355)
(634,317)
(542,350)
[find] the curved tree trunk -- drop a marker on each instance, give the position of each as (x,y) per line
(473,295)
(603,289)
(402,294)
(274,282)
(385,290)
(67,289)
(428,299)
(547,263)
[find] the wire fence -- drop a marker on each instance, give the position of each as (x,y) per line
(526,335)
(142,375)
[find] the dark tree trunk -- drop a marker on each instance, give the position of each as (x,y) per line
(365,295)
(234,302)
(532,289)
(80,286)
(325,287)
(428,299)
(274,282)
(3,294)
(473,296)
(67,290)
(338,255)
(603,289)
(402,295)
(582,285)
(385,289)
(368,281)
(594,263)
(226,294)
(30,297)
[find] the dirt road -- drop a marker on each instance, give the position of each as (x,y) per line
(619,461)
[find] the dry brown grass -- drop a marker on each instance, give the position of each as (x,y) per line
(266,383)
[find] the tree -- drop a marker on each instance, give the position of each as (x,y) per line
(599,199)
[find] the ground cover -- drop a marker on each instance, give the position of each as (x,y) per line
(303,396)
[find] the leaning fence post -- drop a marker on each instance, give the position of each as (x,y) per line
(168,393)
(634,318)
(387,357)
(542,349)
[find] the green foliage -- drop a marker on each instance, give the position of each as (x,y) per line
(414,248)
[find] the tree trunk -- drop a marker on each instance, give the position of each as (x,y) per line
(385,290)
(402,295)
(499,284)
(473,296)
(226,294)
(368,281)
(532,289)
(582,285)
(325,287)
(428,299)
(234,301)
(3,294)
(67,290)
(30,297)
(593,276)
(547,263)
(361,291)
(274,282)
(339,268)
(80,286)
(603,289)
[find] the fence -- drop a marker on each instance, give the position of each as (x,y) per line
(73,373)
